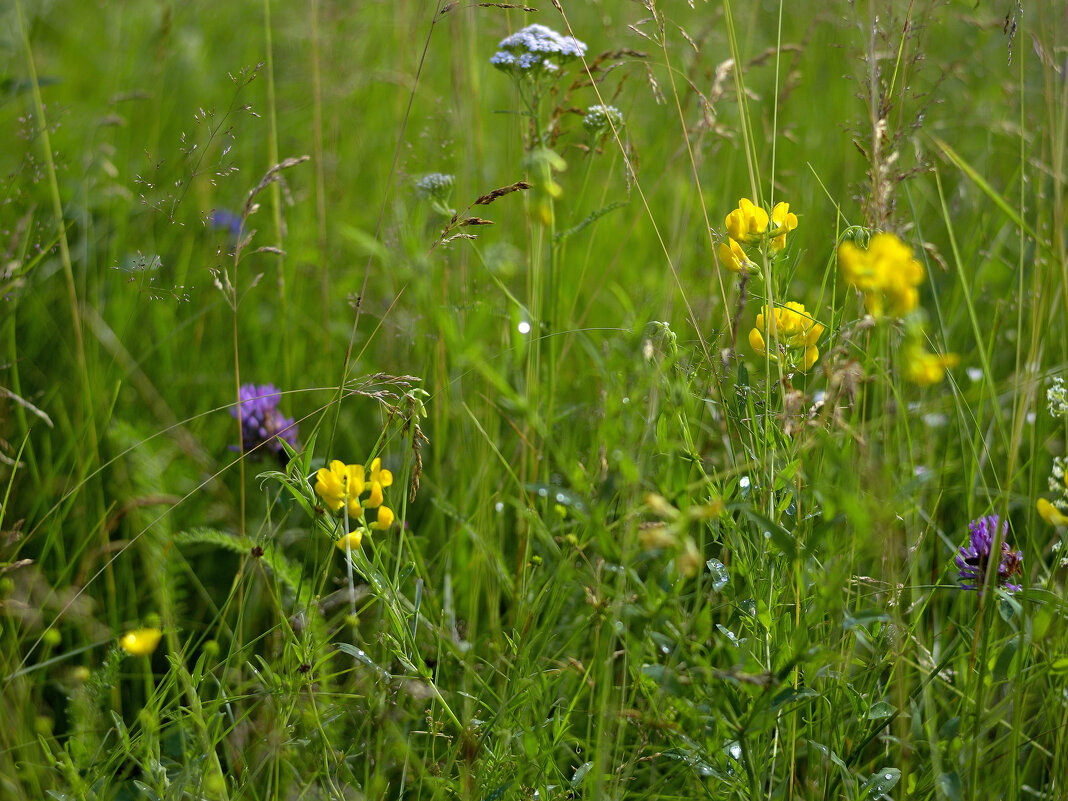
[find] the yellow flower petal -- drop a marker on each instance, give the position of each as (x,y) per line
(756,342)
(140,642)
(812,353)
(351,541)
(1051,514)
(356,482)
(375,498)
(383,477)
(330,486)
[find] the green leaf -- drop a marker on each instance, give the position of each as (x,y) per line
(880,710)
(1008,607)
(580,774)
(782,538)
(880,783)
(720,577)
(789,695)
(361,656)
(1004,664)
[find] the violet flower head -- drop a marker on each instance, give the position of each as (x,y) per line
(224,220)
(973,558)
(263,427)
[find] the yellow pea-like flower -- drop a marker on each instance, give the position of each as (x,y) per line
(925,368)
(375,498)
(747,223)
(380,476)
(756,341)
(885,272)
(385,518)
(1051,514)
(351,541)
(783,222)
(733,257)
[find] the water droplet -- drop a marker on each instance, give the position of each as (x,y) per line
(524,327)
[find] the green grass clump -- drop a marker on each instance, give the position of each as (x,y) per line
(629,525)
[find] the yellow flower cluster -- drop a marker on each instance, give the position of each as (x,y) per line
(886,273)
(793,330)
(341,487)
(748,225)
(924,368)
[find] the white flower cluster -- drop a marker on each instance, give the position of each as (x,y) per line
(1057,398)
(536,49)
(599,119)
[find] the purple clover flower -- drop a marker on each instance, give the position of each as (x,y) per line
(973,558)
(262,425)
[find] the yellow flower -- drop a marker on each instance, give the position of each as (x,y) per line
(1051,514)
(341,485)
(756,342)
(380,476)
(784,222)
(351,541)
(747,223)
(925,368)
(385,518)
(886,273)
(140,642)
(733,257)
(791,327)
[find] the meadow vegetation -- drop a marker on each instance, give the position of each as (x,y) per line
(666,400)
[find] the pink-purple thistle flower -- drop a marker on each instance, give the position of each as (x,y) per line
(973,558)
(263,427)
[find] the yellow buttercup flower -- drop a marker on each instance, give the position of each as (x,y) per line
(140,642)
(925,368)
(747,223)
(886,273)
(783,222)
(1051,514)
(733,257)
